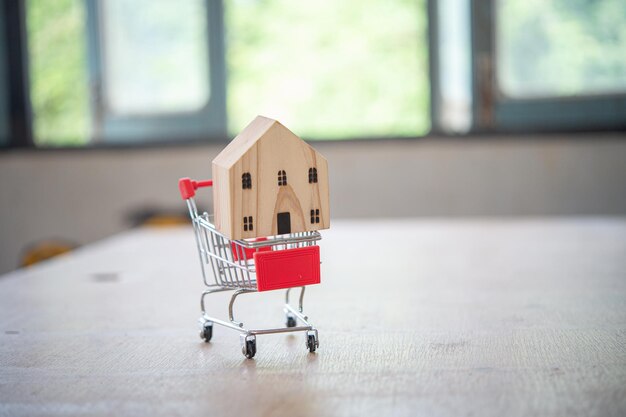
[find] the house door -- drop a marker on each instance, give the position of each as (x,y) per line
(284,223)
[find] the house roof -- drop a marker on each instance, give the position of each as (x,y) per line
(244,141)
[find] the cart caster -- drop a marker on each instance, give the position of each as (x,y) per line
(291,320)
(206,333)
(248,346)
(312,341)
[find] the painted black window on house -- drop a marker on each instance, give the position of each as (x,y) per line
(312,175)
(247,224)
(315,216)
(246,181)
(282,178)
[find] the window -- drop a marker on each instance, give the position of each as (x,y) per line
(282,178)
(312,175)
(149,70)
(131,71)
(247,224)
(549,65)
(125,70)
(582,52)
(315,216)
(158,67)
(143,77)
(246,181)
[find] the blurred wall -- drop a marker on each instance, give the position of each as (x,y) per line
(85,195)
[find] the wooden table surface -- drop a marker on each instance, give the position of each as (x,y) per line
(416,317)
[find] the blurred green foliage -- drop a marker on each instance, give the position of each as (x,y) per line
(561,47)
(58,72)
(329,69)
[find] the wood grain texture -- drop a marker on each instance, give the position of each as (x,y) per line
(263,149)
(448,318)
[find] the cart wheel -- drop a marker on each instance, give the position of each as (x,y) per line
(311,343)
(291,321)
(249,350)
(207,332)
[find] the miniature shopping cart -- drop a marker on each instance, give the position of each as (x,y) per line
(251,265)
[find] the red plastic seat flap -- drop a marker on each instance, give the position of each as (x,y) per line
(287,268)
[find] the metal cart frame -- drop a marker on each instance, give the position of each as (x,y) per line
(232,263)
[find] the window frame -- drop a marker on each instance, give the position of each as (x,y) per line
(491,112)
(494,112)
(4,85)
(15,110)
(208,122)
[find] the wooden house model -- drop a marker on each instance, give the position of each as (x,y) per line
(269,182)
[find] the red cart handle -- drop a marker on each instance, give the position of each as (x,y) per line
(188,187)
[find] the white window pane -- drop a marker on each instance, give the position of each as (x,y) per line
(561,47)
(455,65)
(155,56)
